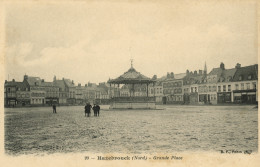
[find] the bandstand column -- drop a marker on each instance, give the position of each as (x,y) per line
(147,89)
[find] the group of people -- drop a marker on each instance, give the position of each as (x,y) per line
(96,109)
(88,107)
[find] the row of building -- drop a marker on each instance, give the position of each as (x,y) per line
(33,91)
(220,85)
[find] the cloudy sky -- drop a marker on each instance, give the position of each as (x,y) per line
(92,41)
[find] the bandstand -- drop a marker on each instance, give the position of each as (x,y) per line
(132,78)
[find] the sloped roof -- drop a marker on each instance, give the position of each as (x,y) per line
(60,84)
(68,82)
(32,80)
(20,85)
(193,79)
(223,74)
(245,72)
(47,84)
(131,76)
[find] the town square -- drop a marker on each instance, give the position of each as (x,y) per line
(163,81)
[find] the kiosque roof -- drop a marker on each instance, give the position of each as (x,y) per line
(131,77)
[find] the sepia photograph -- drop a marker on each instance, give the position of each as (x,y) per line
(154,82)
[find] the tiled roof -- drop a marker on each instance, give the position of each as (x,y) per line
(245,72)
(131,76)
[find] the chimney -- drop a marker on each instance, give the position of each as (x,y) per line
(168,74)
(187,72)
(238,65)
(195,72)
(191,73)
(54,78)
(25,77)
(155,77)
(86,85)
(172,75)
(72,82)
(63,78)
(13,80)
(42,80)
(200,72)
(79,85)
(222,66)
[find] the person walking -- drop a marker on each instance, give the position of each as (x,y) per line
(54,108)
(98,109)
(88,109)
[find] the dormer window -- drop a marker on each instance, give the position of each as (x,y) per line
(240,78)
(249,76)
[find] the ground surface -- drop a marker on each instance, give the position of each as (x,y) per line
(175,129)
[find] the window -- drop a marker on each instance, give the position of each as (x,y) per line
(242,86)
(209,88)
(240,78)
(254,85)
(219,88)
(229,88)
(195,89)
(249,76)
(224,88)
(247,86)
(237,86)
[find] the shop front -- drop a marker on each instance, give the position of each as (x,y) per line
(224,97)
(245,96)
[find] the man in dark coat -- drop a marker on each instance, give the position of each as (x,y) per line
(87,109)
(54,108)
(98,108)
(95,110)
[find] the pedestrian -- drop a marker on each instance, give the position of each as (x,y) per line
(95,110)
(98,109)
(88,109)
(54,108)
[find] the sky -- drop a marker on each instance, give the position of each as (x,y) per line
(93,41)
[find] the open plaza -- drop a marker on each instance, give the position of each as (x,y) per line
(173,128)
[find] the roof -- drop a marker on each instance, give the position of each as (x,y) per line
(69,83)
(47,84)
(32,80)
(130,77)
(60,84)
(223,75)
(244,72)
(20,85)
(193,79)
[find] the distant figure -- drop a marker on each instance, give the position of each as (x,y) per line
(54,108)
(87,109)
(98,108)
(95,110)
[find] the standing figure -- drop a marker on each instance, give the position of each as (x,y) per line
(87,109)
(95,110)
(54,108)
(98,108)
